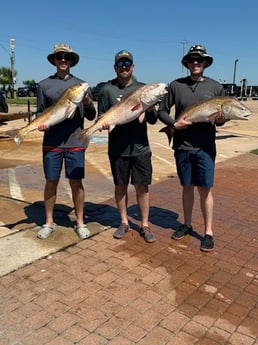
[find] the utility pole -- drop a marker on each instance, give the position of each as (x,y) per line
(184,42)
(12,46)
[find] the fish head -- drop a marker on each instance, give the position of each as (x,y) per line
(152,93)
(234,109)
(77,92)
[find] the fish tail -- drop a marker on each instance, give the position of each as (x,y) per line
(16,135)
(169,130)
(84,137)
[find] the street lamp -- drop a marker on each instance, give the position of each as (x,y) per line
(12,46)
(234,74)
(184,42)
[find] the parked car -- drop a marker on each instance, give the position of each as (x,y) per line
(28,90)
(95,90)
(3,103)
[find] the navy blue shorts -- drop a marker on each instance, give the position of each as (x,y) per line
(195,167)
(138,168)
(74,162)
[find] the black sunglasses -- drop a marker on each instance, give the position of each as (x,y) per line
(198,59)
(62,56)
(124,64)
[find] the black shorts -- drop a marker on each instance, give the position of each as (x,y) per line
(138,169)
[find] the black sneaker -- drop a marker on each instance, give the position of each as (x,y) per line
(121,230)
(207,244)
(181,232)
(147,235)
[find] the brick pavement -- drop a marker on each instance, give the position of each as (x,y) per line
(122,292)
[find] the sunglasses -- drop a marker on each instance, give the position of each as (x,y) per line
(124,64)
(61,56)
(198,59)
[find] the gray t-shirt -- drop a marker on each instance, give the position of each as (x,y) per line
(62,134)
(183,93)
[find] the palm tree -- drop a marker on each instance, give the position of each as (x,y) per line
(6,79)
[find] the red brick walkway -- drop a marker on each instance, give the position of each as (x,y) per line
(124,292)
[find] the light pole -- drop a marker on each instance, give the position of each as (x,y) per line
(184,42)
(234,74)
(12,46)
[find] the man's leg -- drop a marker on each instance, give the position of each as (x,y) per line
(206,203)
(78,196)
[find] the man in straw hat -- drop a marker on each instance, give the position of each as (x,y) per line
(59,143)
(194,144)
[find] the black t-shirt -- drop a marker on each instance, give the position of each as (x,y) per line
(130,139)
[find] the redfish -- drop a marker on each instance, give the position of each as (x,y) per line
(131,107)
(206,111)
(63,108)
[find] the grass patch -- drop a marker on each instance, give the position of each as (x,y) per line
(22,101)
(255,152)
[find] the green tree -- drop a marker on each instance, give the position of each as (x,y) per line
(28,82)
(6,80)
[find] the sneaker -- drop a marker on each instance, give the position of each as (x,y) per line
(147,235)
(82,231)
(181,232)
(121,230)
(46,230)
(207,243)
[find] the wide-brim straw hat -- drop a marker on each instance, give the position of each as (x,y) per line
(63,48)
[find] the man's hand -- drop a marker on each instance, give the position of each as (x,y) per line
(105,124)
(182,123)
(87,100)
(43,127)
(220,119)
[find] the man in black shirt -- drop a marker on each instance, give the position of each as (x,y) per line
(128,147)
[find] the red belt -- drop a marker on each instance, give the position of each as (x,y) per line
(58,149)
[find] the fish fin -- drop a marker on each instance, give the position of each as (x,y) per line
(69,113)
(169,130)
(111,127)
(83,137)
(141,117)
(212,117)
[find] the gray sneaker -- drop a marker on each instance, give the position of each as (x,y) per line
(145,232)
(181,232)
(122,229)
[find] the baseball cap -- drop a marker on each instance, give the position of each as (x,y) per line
(123,54)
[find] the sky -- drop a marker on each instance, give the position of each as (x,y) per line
(157,33)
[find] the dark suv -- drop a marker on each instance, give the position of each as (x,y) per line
(3,104)
(28,90)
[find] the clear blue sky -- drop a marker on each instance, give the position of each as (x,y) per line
(154,31)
